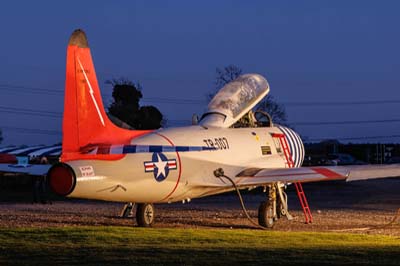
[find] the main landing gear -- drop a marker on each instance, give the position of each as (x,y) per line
(144,213)
(275,207)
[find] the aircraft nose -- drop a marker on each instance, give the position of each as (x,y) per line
(61,179)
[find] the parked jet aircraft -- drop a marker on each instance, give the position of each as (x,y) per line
(102,161)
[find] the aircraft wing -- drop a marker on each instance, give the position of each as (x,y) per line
(259,176)
(30,169)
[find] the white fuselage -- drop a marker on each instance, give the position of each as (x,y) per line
(177,164)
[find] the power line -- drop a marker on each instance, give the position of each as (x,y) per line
(40,91)
(58,133)
(164,100)
(46,113)
(174,100)
(355,138)
(354,122)
(320,123)
(27,89)
(32,130)
(23,111)
(339,103)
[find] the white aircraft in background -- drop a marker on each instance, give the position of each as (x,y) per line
(32,160)
(102,161)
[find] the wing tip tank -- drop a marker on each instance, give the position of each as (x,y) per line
(79,39)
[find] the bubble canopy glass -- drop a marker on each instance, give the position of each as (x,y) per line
(234,100)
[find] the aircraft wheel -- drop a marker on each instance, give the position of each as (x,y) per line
(145,214)
(266,214)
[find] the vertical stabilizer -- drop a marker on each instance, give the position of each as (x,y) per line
(85,121)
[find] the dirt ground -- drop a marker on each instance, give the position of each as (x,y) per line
(365,207)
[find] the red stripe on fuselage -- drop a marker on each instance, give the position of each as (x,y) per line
(180,168)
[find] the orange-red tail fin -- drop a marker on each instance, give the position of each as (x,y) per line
(85,122)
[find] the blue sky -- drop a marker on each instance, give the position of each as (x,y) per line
(311,52)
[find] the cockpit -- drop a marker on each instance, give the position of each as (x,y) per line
(232,105)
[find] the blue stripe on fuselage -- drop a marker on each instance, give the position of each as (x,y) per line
(128,149)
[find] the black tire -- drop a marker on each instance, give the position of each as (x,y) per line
(266,214)
(145,214)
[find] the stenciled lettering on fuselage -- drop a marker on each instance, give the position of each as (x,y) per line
(295,145)
(220,143)
(160,165)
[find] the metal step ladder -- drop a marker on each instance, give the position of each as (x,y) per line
(299,188)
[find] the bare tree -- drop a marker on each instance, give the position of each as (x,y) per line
(274,109)
(226,75)
(223,76)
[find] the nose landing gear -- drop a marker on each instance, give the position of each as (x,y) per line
(274,207)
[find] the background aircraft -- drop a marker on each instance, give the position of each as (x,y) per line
(31,160)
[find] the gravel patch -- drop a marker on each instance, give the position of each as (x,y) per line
(365,207)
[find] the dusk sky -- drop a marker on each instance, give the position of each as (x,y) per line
(335,65)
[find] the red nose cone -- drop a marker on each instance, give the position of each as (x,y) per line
(61,179)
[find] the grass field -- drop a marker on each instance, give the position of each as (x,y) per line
(138,246)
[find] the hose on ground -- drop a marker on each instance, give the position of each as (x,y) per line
(220,173)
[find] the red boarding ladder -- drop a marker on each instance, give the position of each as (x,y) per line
(299,188)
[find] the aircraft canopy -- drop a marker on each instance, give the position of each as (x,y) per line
(234,100)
